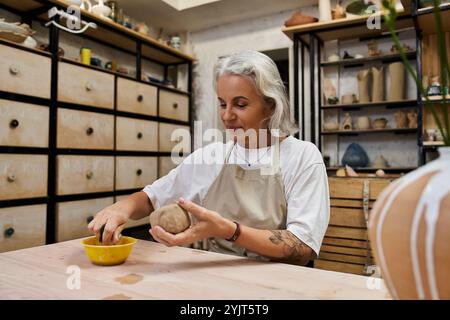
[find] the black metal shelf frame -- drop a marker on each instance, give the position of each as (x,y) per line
(314,45)
(52,151)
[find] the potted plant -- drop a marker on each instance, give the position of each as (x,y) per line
(409,223)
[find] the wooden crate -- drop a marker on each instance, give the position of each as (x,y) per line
(345,247)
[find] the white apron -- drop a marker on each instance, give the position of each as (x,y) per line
(249,198)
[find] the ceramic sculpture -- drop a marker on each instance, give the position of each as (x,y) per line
(355,156)
(377,84)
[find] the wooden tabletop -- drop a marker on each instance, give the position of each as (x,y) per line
(154,271)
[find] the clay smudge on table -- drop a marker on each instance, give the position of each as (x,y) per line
(131,278)
(119,296)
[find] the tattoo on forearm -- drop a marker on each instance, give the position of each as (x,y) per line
(295,251)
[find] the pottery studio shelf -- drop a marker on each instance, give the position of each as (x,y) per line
(347,28)
(356,62)
(437,99)
(426,20)
(432,144)
(107,32)
(387,104)
(356,132)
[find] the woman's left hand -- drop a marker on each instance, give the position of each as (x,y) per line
(208,224)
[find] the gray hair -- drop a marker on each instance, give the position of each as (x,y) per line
(264,73)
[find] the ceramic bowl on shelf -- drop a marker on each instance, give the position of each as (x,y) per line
(379,123)
(330,126)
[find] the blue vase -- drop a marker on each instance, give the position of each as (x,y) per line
(355,156)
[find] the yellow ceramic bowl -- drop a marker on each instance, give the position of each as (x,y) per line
(108,255)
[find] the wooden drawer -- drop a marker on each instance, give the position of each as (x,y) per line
(173,105)
(136,97)
(134,223)
(23,124)
(84,174)
(85,130)
(23,176)
(135,172)
(352,188)
(137,135)
(22,227)
(73,217)
(181,140)
(85,86)
(165,164)
(24,72)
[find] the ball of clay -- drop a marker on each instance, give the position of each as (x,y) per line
(172,218)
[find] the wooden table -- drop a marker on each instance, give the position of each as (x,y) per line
(154,271)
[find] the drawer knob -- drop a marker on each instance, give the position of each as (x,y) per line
(89,175)
(89,219)
(89,86)
(138,172)
(11,178)
(140,135)
(140,98)
(14,123)
(14,70)
(175,105)
(9,232)
(89,131)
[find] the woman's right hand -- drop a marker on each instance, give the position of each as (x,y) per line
(114,219)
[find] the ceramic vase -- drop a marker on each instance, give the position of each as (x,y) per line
(377,84)
(397,81)
(324,10)
(363,123)
(408,232)
(355,156)
(363,86)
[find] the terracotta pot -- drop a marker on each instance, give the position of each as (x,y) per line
(408,232)
(298,18)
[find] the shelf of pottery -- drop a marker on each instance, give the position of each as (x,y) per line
(431,77)
(369,104)
(74,141)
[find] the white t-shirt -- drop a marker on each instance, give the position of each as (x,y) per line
(303,174)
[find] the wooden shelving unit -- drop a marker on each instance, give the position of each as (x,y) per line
(132,120)
(346,28)
(426,20)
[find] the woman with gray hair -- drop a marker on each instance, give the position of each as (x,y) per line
(267,196)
